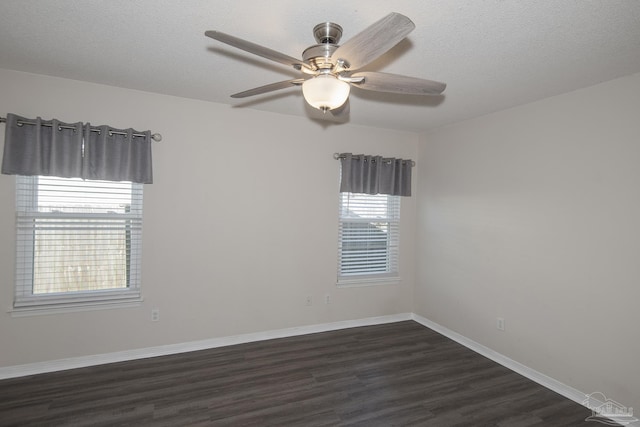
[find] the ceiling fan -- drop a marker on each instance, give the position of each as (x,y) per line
(330,69)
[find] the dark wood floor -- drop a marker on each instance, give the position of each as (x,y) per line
(398,374)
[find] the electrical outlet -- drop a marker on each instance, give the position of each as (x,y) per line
(309,301)
(155,314)
(500,324)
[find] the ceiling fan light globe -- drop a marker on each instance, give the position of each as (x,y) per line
(325,92)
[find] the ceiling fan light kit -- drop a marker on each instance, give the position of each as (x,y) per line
(329,69)
(325,92)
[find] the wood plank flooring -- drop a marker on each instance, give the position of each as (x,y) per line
(399,374)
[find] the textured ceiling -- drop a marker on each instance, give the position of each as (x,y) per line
(493,54)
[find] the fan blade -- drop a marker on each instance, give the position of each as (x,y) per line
(395,83)
(373,41)
(268,88)
(256,49)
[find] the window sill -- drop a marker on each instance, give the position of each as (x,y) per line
(71,307)
(368,281)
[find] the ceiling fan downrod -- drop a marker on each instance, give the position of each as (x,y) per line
(327,32)
(327,35)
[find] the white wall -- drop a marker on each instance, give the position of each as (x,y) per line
(530,214)
(533,214)
(240,224)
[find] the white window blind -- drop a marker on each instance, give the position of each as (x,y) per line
(78,241)
(368,236)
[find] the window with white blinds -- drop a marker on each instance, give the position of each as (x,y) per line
(368,236)
(78,241)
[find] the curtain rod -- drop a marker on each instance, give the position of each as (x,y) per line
(156,136)
(339,156)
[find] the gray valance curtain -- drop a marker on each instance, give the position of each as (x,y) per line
(375,175)
(76,150)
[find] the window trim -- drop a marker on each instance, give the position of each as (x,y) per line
(369,281)
(27,303)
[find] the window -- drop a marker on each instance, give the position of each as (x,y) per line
(78,242)
(368,237)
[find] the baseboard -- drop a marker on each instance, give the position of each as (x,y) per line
(525,371)
(143,353)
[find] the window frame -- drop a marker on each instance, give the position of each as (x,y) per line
(27,213)
(391,274)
